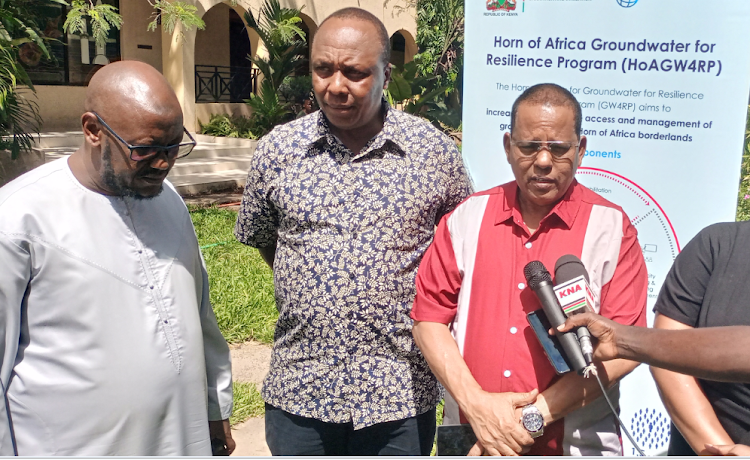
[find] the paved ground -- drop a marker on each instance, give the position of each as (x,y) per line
(229,199)
(250,364)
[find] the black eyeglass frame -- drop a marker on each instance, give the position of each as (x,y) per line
(156,149)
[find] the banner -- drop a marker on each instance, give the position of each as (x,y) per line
(664,89)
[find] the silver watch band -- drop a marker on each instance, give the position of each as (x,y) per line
(532,420)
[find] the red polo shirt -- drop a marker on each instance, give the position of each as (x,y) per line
(472,278)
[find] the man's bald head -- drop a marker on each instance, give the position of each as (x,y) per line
(548,94)
(129,105)
(124,89)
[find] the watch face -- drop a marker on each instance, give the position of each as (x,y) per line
(533,422)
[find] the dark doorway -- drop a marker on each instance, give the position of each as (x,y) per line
(239,50)
(398,49)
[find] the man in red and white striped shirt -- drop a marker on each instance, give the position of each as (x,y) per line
(472,299)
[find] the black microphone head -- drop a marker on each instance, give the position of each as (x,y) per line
(535,272)
(569,267)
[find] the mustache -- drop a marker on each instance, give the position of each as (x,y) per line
(151,172)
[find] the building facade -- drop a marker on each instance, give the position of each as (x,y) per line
(208,69)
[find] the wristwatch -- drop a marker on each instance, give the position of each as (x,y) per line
(532,420)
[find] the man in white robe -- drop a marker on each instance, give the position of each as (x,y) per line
(108,342)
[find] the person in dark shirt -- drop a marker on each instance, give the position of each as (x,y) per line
(706,288)
(720,354)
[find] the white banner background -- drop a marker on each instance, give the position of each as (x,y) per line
(670,187)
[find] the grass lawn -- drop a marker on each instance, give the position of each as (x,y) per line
(241,282)
(247,402)
(241,294)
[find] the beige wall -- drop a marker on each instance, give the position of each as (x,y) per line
(203,112)
(180,61)
(136,15)
(411,45)
(212,43)
(61,107)
(394,16)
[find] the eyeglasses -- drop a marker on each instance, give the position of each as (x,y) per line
(147,152)
(558,149)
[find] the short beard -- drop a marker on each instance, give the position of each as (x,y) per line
(118,184)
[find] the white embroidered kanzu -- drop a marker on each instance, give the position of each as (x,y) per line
(109,343)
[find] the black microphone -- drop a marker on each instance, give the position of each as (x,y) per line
(540,281)
(574,294)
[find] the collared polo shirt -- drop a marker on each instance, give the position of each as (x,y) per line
(351,229)
(472,278)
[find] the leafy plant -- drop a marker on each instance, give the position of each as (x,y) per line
(743,200)
(18,23)
(102,18)
(435,77)
(173,13)
(19,116)
(277,28)
(226,126)
(412,90)
(268,110)
(440,36)
(296,91)
(424,95)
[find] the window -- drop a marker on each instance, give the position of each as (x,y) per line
(73,59)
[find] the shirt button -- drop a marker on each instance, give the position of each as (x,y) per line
(140,251)
(521,285)
(352,276)
(528,245)
(513,330)
(506,373)
(151,287)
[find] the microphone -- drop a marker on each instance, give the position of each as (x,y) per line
(575,296)
(540,281)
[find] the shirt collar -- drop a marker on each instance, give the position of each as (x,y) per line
(566,209)
(391,132)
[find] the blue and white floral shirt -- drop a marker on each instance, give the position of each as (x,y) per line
(351,230)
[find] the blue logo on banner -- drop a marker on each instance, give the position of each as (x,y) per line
(626,3)
(650,428)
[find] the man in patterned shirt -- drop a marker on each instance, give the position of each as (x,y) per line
(342,204)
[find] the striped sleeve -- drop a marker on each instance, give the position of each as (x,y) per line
(623,298)
(438,280)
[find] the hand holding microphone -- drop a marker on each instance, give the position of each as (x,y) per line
(575,296)
(540,281)
(603,329)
